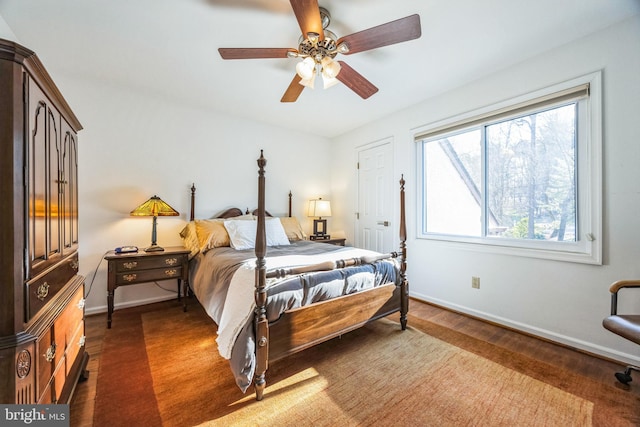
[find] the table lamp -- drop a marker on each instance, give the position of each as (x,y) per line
(319,208)
(154,207)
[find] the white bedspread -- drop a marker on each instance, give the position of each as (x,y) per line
(240,301)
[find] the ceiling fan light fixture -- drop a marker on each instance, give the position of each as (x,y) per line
(329,81)
(308,82)
(330,68)
(317,48)
(306,68)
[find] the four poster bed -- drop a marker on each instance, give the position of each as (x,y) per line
(301,294)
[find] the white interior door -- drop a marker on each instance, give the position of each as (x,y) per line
(375,198)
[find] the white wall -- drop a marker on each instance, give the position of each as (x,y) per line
(558,300)
(5,31)
(134,146)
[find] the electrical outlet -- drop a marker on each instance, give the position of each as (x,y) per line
(475,282)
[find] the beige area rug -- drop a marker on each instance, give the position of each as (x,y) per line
(377,375)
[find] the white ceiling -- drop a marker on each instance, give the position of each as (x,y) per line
(169,48)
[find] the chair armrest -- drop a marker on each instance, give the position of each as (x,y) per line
(615,287)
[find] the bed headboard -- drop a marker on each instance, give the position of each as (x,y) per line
(231,212)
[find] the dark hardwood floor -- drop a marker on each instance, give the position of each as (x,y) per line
(559,356)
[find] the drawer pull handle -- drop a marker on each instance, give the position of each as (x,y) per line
(171,261)
(81,304)
(74,264)
(42,291)
(172,272)
(130,265)
(130,277)
(81,341)
(51,353)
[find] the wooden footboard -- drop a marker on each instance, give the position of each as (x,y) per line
(310,325)
(307,326)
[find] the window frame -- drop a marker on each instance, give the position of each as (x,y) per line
(588,245)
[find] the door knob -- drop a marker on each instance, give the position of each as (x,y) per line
(385,223)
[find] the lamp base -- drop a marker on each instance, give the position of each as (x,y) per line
(154,248)
(319,227)
(320,237)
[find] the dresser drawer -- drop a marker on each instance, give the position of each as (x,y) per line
(42,289)
(139,276)
(156,262)
(67,323)
(48,356)
(75,345)
(58,347)
(54,387)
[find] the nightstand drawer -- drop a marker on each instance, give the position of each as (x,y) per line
(137,264)
(139,276)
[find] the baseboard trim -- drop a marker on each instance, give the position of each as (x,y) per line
(103,308)
(564,340)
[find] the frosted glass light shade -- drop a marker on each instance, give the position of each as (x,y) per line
(306,68)
(330,68)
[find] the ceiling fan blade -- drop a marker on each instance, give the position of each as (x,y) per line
(308,15)
(254,53)
(393,32)
(355,81)
(293,91)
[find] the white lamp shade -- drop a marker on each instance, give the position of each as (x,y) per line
(319,208)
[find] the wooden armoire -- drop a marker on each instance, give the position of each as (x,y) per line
(42,353)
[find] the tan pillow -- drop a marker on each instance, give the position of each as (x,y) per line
(190,239)
(211,234)
(292,228)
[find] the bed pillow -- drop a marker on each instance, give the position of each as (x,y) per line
(242,233)
(276,235)
(211,234)
(189,237)
(292,228)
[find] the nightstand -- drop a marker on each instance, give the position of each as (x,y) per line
(142,267)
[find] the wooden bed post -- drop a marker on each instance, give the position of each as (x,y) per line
(260,315)
(193,202)
(404,284)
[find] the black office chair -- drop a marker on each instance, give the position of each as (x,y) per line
(625,325)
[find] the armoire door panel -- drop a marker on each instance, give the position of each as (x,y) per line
(69,188)
(37,170)
(53,188)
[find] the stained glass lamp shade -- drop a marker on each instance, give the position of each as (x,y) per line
(154,207)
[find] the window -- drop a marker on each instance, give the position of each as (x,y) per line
(522,177)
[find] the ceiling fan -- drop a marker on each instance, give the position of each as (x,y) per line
(318,47)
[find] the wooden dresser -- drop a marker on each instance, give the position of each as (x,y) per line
(41,294)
